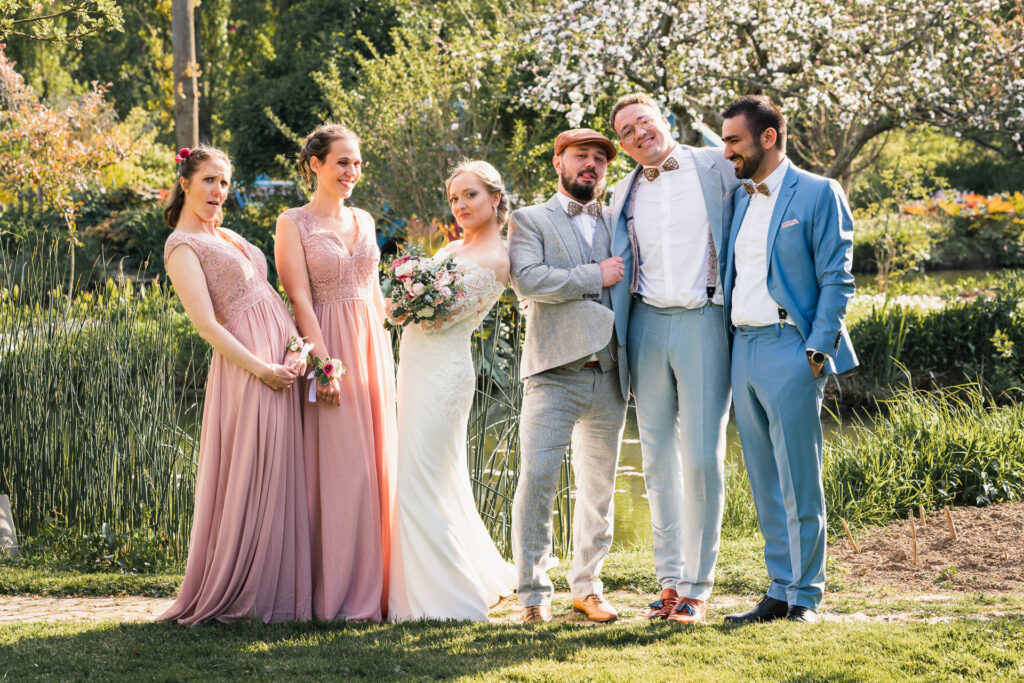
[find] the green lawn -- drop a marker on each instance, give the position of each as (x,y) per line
(960,649)
(978,637)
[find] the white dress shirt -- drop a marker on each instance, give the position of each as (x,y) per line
(672,228)
(751,302)
(584,222)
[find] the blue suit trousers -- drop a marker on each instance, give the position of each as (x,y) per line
(778,406)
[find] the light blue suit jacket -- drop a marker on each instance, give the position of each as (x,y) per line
(717,183)
(810,253)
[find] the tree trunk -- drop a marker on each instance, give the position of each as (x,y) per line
(186,71)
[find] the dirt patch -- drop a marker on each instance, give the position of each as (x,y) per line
(987,556)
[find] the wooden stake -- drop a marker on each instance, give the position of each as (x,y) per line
(913,534)
(949,523)
(920,509)
(849,537)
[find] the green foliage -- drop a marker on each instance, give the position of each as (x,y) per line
(111,360)
(976,339)
(929,449)
(310,35)
(57,548)
(412,136)
(65,22)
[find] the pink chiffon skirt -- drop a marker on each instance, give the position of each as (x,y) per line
(249,555)
(350,456)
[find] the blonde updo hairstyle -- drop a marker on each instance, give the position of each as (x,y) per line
(318,144)
(187,169)
(491,179)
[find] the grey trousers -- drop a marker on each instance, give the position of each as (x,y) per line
(560,406)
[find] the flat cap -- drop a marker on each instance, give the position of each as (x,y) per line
(581,136)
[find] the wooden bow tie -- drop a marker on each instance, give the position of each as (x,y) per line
(760,188)
(594,209)
(653,172)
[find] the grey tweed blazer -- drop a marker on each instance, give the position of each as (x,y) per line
(554,268)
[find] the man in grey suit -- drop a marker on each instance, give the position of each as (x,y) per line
(674,210)
(574,370)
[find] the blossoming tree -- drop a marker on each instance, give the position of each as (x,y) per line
(844,71)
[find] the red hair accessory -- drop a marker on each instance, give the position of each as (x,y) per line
(185,153)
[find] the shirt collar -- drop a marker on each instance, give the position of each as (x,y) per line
(774,180)
(564,200)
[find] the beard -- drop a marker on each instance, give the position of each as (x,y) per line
(749,164)
(580,191)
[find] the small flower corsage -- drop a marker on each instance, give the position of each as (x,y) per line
(300,346)
(324,370)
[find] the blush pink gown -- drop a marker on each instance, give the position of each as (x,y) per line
(350,449)
(249,555)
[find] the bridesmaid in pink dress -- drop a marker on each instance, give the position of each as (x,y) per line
(249,555)
(327,258)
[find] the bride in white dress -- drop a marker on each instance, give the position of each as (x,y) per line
(444,564)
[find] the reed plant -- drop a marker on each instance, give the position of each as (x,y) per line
(946,447)
(97,410)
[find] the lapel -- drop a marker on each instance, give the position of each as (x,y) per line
(572,241)
(742,202)
(711,186)
(786,192)
(620,238)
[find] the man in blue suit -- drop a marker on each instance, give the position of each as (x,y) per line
(787,282)
(671,216)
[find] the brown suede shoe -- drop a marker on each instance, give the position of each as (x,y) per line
(537,614)
(595,607)
(688,611)
(664,605)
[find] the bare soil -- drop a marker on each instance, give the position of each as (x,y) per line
(987,556)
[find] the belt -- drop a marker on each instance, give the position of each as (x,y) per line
(592,364)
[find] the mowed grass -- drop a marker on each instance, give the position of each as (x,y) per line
(972,649)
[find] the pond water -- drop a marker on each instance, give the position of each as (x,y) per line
(632,514)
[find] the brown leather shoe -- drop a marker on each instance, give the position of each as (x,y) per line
(537,614)
(664,605)
(595,607)
(688,611)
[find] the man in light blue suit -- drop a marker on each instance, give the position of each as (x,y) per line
(787,282)
(671,216)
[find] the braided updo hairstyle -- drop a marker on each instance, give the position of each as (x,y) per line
(188,167)
(492,181)
(317,144)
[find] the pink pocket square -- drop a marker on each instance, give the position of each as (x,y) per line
(726,195)
(789,223)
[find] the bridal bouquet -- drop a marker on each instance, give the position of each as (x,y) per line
(424,289)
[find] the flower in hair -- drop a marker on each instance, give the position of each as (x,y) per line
(185,153)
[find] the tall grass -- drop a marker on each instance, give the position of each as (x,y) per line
(91,419)
(925,448)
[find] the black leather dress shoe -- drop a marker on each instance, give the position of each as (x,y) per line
(766,609)
(804,614)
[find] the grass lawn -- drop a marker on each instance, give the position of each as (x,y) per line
(846,651)
(960,645)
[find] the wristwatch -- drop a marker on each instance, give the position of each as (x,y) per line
(817,357)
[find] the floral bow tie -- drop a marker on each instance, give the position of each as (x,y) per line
(594,209)
(653,172)
(760,188)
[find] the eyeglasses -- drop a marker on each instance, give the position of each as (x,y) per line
(629,132)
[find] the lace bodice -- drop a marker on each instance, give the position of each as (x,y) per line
(439,355)
(481,290)
(335,274)
(236,282)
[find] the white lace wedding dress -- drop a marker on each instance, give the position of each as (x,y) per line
(444,564)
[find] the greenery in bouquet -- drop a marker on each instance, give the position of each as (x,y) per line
(423,289)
